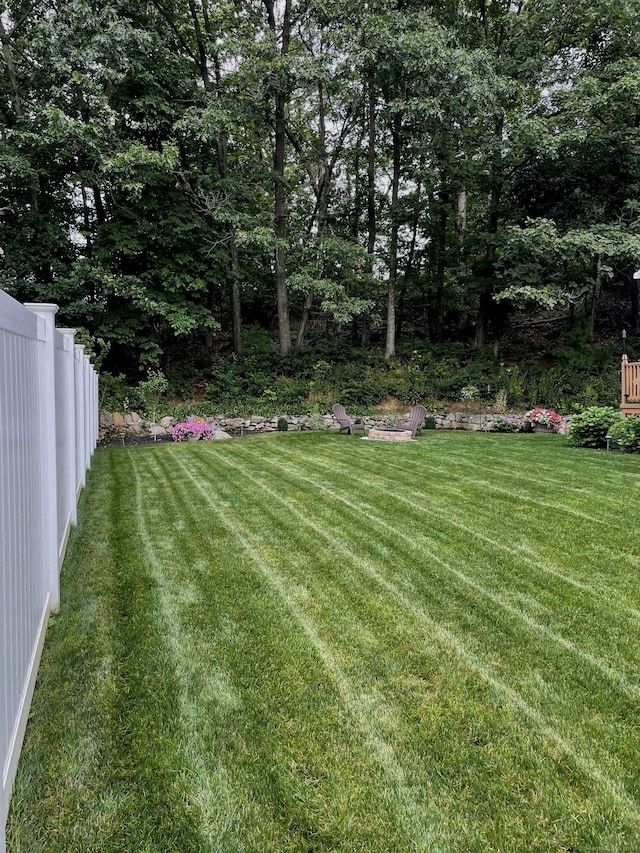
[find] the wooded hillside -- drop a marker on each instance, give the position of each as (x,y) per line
(176,172)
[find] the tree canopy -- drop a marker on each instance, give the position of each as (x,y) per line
(174,172)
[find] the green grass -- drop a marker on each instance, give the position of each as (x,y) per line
(311,642)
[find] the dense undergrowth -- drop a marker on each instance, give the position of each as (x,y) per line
(569,377)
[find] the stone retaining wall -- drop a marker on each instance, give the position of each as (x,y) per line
(480,423)
(113,423)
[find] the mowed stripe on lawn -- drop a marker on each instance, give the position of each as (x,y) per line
(378,647)
(298,518)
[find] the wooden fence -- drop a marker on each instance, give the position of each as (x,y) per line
(48,432)
(630,398)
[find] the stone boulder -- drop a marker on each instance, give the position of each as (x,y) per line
(220,434)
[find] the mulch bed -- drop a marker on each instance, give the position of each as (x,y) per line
(129,440)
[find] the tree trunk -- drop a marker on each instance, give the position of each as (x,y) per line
(322,184)
(595,297)
(11,72)
(86,218)
(441,248)
(15,95)
(371,176)
(482,319)
(223,154)
(99,206)
(236,304)
(280,201)
(635,306)
(211,301)
(461,227)
(485,301)
(390,345)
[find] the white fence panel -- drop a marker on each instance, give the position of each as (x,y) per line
(80,424)
(66,436)
(41,418)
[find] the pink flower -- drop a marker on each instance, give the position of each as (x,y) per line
(185,430)
(545,417)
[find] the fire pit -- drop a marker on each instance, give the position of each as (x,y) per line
(390,434)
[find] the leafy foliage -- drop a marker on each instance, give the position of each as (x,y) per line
(448,174)
(626,434)
(590,427)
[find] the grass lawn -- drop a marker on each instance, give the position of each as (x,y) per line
(310,642)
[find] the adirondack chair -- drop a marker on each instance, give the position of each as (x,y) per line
(345,421)
(416,419)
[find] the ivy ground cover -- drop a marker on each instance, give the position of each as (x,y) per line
(311,642)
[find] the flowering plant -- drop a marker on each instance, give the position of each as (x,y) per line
(192,429)
(544,417)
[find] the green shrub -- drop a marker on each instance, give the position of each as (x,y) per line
(151,391)
(114,392)
(429,422)
(283,424)
(182,411)
(590,427)
(359,387)
(508,425)
(626,433)
(287,394)
(316,421)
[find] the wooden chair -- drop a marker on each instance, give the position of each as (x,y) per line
(345,421)
(416,419)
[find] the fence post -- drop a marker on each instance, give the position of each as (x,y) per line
(80,428)
(46,383)
(94,408)
(87,414)
(70,423)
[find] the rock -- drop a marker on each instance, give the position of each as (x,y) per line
(257,419)
(220,434)
(117,419)
(135,418)
(167,422)
(105,419)
(158,430)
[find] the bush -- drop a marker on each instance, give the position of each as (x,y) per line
(283,424)
(183,411)
(316,421)
(151,391)
(626,433)
(590,427)
(508,425)
(114,392)
(429,422)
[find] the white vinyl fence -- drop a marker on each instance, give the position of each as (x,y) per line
(48,432)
